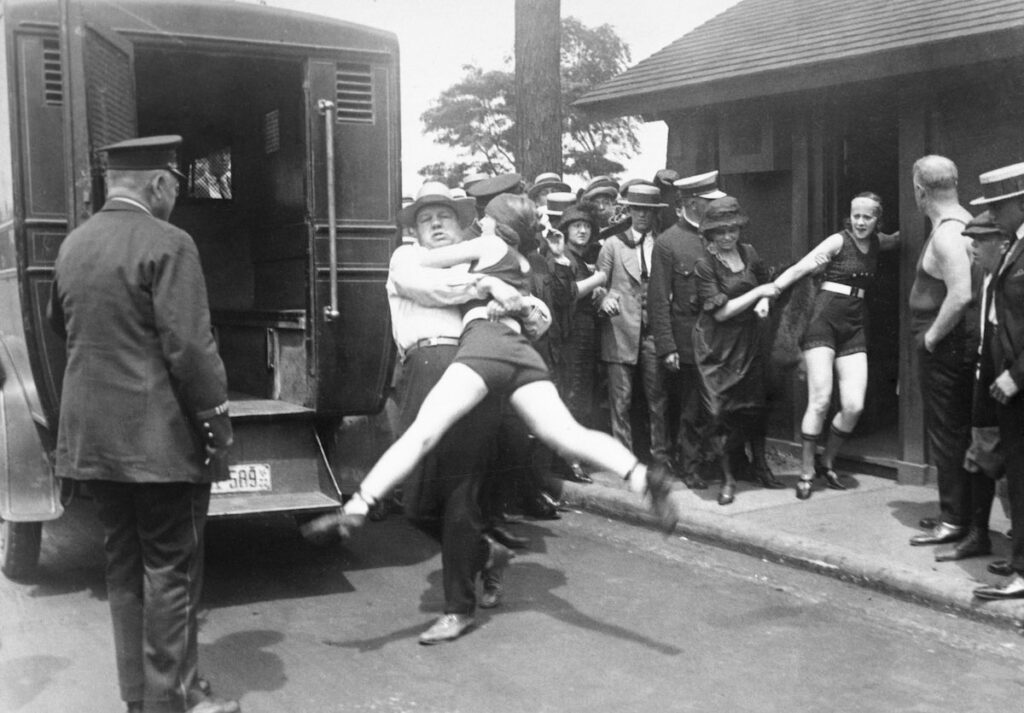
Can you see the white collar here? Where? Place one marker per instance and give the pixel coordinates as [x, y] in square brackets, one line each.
[133, 202]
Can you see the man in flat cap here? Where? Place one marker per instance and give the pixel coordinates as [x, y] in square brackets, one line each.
[674, 307]
[1003, 192]
[144, 417]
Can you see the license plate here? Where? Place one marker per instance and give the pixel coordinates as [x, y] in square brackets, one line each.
[245, 478]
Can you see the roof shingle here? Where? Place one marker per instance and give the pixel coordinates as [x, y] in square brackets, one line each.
[771, 39]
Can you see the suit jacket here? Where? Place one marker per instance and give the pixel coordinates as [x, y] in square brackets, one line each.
[130, 298]
[672, 294]
[1007, 290]
[620, 334]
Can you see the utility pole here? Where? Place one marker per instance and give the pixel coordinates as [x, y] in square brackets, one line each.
[538, 87]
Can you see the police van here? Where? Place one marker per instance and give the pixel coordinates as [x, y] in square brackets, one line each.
[290, 129]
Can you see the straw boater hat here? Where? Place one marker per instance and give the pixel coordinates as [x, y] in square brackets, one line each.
[643, 195]
[436, 193]
[626, 185]
[558, 203]
[703, 185]
[1000, 184]
[722, 213]
[601, 186]
[547, 180]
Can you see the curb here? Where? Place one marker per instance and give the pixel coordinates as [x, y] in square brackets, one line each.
[813, 555]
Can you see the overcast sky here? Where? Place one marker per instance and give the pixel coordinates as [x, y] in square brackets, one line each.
[437, 37]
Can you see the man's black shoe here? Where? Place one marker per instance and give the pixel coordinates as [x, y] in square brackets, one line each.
[506, 538]
[541, 506]
[1014, 589]
[693, 481]
[1000, 567]
[939, 535]
[974, 545]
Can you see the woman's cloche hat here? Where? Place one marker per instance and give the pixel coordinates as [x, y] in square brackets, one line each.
[723, 213]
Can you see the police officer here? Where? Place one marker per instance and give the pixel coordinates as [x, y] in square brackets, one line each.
[144, 417]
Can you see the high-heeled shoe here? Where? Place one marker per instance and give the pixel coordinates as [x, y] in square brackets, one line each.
[727, 494]
[804, 487]
[767, 478]
[831, 477]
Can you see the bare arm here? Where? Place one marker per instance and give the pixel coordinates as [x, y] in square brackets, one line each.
[822, 253]
[738, 305]
[429, 286]
[950, 260]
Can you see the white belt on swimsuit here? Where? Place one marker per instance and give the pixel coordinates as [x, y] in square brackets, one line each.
[841, 289]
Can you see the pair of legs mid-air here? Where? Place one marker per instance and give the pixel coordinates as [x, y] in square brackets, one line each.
[823, 369]
[461, 388]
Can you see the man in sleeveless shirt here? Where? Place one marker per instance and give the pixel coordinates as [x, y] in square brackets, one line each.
[946, 338]
[1003, 192]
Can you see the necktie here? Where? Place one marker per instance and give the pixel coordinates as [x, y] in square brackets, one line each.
[643, 258]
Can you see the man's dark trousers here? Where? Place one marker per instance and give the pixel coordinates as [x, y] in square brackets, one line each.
[947, 378]
[153, 538]
[442, 497]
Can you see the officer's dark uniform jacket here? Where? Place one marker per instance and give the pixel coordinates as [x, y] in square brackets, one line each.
[672, 294]
[130, 298]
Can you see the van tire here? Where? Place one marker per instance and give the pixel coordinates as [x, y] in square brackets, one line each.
[19, 548]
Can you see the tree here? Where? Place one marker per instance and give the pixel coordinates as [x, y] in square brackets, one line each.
[538, 87]
[590, 56]
[476, 115]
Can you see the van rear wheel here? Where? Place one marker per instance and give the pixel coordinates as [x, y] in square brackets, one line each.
[19, 548]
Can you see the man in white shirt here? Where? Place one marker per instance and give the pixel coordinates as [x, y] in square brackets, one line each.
[442, 498]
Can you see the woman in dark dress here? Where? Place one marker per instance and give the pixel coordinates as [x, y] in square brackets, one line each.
[576, 367]
[734, 293]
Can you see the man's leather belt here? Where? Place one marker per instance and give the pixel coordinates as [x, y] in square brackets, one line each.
[841, 289]
[433, 342]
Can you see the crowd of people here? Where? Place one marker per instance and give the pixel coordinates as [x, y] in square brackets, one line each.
[519, 313]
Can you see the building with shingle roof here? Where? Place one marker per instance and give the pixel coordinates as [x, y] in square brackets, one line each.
[802, 104]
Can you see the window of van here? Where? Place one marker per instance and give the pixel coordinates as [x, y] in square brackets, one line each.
[210, 175]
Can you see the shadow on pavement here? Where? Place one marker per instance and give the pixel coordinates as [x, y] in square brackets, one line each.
[22, 679]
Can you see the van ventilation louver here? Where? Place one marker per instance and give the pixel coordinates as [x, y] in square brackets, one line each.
[53, 87]
[354, 93]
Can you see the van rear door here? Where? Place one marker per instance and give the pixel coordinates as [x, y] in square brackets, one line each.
[353, 350]
[100, 87]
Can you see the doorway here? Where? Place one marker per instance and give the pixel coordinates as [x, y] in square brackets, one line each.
[866, 158]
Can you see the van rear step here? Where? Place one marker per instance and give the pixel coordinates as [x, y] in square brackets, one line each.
[226, 506]
[248, 408]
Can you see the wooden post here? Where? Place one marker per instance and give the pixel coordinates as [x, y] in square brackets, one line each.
[538, 87]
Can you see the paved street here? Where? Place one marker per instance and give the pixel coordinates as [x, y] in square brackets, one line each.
[598, 616]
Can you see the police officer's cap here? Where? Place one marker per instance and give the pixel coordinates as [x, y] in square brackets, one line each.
[490, 188]
[148, 153]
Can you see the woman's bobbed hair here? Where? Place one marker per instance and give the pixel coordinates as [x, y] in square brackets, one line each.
[516, 219]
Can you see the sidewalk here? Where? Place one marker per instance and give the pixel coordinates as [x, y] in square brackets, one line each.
[860, 535]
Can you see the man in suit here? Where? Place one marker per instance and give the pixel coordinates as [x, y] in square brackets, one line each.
[627, 339]
[1003, 192]
[947, 340]
[144, 417]
[673, 307]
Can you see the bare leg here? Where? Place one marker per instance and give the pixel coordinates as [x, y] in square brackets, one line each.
[852, 371]
[548, 418]
[819, 362]
[457, 391]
